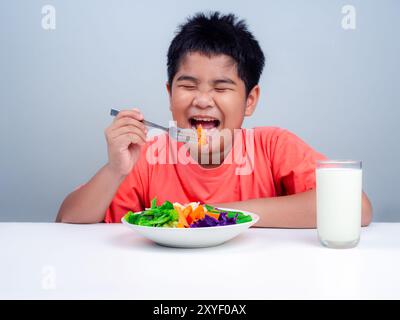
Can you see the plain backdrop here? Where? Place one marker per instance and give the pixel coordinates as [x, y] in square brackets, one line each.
[338, 89]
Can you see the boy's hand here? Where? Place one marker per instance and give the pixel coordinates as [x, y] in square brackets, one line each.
[125, 136]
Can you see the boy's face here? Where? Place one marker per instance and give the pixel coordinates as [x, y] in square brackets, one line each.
[207, 91]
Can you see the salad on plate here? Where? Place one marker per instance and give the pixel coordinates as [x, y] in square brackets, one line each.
[191, 215]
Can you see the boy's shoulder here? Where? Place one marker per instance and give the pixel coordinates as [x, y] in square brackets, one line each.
[271, 132]
[268, 130]
[272, 137]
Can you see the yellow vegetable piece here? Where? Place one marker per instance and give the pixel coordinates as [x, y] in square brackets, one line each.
[201, 136]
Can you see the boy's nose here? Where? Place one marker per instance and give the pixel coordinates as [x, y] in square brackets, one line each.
[203, 100]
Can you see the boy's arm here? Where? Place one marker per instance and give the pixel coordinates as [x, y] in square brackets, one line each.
[293, 211]
[89, 203]
[125, 137]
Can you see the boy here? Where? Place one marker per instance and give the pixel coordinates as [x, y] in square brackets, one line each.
[214, 66]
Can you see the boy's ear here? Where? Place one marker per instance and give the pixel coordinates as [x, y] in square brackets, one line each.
[251, 100]
[169, 94]
[168, 88]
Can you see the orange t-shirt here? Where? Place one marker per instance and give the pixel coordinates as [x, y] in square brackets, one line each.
[270, 162]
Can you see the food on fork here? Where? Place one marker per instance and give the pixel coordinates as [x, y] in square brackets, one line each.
[201, 136]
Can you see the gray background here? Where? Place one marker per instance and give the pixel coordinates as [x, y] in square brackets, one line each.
[337, 89]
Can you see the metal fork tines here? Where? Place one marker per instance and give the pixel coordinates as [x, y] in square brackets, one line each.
[179, 134]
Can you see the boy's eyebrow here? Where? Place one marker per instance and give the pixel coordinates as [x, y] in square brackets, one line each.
[214, 82]
[187, 78]
[224, 81]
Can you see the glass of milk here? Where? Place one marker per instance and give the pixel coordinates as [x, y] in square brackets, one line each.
[339, 194]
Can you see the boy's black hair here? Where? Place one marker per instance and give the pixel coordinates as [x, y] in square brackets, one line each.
[215, 34]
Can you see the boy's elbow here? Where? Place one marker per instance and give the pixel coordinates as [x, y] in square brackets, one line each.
[67, 217]
[366, 219]
[62, 218]
[366, 216]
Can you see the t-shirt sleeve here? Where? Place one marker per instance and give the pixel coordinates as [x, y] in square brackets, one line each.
[130, 195]
[293, 163]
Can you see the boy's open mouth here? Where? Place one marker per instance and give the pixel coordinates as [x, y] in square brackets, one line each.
[205, 122]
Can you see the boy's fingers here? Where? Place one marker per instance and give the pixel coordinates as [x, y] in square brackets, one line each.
[126, 139]
[127, 130]
[133, 113]
[127, 121]
[130, 112]
[116, 139]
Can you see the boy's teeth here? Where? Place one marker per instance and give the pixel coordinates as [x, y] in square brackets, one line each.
[206, 123]
[204, 119]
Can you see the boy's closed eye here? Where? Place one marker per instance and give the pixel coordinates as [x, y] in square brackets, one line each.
[223, 89]
[192, 87]
[187, 86]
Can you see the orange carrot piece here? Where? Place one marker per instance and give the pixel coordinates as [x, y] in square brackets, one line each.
[214, 215]
[199, 212]
[187, 211]
[182, 222]
[191, 217]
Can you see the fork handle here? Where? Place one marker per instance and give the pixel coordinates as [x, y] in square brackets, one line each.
[151, 124]
[115, 112]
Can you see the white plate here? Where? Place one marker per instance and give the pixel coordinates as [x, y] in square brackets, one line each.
[193, 237]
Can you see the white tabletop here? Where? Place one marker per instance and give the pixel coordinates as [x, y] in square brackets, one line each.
[61, 261]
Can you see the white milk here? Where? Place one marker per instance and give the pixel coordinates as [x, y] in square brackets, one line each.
[339, 192]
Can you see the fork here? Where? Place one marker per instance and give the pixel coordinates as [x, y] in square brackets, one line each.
[179, 134]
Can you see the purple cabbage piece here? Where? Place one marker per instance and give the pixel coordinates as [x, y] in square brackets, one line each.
[208, 221]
